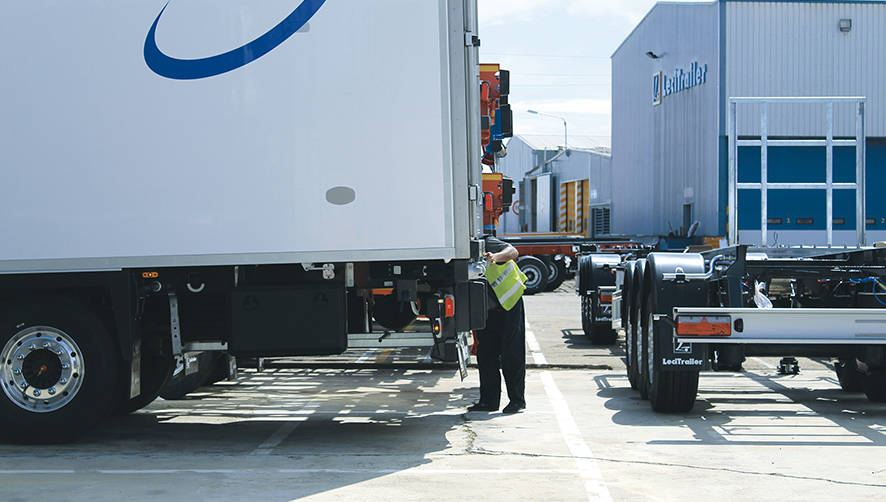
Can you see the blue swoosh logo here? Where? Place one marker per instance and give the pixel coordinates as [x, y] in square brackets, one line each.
[192, 69]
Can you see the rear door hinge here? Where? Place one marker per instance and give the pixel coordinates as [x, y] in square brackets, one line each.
[474, 192]
[471, 40]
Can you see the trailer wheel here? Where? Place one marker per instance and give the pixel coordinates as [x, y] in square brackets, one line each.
[635, 311]
[587, 319]
[536, 274]
[671, 391]
[630, 335]
[875, 385]
[58, 365]
[556, 274]
[179, 386]
[851, 380]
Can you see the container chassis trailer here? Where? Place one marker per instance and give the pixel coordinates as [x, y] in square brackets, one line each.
[682, 313]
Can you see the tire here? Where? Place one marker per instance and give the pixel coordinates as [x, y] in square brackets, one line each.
[635, 311]
[598, 333]
[536, 274]
[181, 385]
[556, 274]
[391, 313]
[587, 319]
[851, 380]
[72, 372]
[156, 368]
[630, 334]
[875, 385]
[671, 391]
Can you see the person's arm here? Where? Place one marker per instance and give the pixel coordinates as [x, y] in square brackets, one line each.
[503, 256]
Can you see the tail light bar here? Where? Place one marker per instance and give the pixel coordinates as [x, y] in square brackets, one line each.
[704, 325]
[605, 297]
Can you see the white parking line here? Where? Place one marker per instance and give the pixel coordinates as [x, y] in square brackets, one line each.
[285, 430]
[534, 347]
[407, 472]
[36, 471]
[584, 457]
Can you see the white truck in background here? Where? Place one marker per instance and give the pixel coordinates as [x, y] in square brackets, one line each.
[230, 176]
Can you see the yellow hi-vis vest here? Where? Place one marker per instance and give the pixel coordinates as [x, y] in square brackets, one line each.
[507, 282]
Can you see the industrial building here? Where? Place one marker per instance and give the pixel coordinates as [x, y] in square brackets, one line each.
[559, 189]
[674, 78]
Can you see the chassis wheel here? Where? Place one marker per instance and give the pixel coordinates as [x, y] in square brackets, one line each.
[669, 391]
[635, 313]
[875, 385]
[556, 274]
[632, 349]
[851, 380]
[536, 274]
[58, 365]
[587, 319]
[598, 332]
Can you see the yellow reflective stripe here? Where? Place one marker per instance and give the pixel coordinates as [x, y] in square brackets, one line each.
[504, 274]
[517, 288]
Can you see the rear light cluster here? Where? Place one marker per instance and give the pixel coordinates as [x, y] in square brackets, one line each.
[605, 297]
[702, 325]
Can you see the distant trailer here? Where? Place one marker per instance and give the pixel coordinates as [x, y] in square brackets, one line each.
[557, 253]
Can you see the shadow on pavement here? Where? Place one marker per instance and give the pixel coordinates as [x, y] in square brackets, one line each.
[731, 415]
[575, 339]
[322, 429]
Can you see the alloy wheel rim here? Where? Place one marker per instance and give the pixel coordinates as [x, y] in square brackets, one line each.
[41, 369]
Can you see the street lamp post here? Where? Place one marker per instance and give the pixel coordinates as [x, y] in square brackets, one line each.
[565, 137]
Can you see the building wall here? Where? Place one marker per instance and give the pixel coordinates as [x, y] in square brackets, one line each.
[796, 49]
[667, 155]
[577, 165]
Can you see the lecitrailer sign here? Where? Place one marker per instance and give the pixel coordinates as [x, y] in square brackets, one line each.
[664, 85]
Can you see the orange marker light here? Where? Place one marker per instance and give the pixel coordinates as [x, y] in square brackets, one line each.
[699, 325]
[449, 310]
[150, 275]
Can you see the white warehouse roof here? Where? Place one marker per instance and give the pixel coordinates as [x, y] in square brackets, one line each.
[597, 144]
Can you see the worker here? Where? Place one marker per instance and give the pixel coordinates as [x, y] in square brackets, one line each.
[501, 344]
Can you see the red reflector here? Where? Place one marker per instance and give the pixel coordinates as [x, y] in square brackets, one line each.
[449, 310]
[604, 298]
[699, 325]
[383, 291]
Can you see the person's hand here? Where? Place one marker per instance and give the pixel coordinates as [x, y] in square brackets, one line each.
[490, 257]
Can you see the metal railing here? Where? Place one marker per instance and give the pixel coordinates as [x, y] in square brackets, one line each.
[828, 142]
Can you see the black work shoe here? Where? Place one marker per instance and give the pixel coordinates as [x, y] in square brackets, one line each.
[513, 407]
[482, 407]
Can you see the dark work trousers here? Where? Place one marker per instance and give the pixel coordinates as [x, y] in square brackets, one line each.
[502, 345]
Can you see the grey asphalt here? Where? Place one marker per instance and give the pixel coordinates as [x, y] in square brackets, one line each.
[400, 433]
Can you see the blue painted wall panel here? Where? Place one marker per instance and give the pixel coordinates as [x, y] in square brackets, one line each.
[808, 165]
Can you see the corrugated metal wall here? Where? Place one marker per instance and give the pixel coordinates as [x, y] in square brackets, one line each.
[797, 49]
[666, 156]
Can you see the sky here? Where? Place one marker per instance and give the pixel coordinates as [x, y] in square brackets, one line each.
[558, 53]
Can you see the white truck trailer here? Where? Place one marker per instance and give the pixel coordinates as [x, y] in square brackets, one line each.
[234, 176]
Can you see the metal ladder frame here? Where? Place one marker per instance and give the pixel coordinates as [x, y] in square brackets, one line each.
[829, 143]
